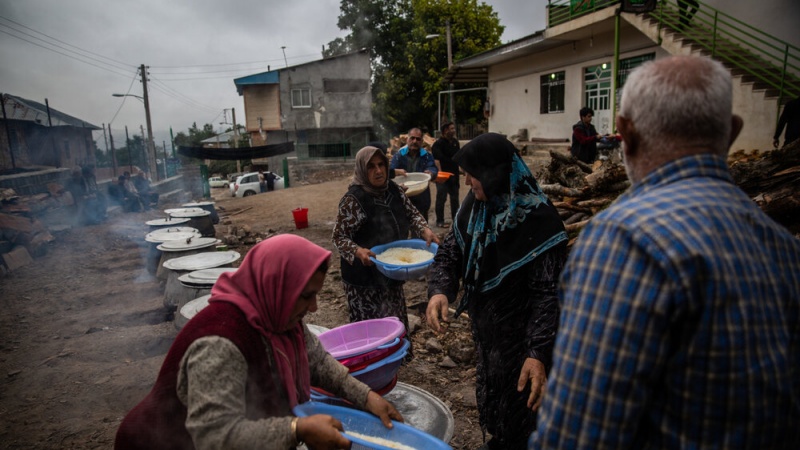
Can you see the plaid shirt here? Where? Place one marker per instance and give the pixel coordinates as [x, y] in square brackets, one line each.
[680, 322]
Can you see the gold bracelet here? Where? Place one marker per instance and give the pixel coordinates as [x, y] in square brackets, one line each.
[294, 432]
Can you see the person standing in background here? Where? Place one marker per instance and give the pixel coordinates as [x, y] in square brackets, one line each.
[414, 158]
[584, 137]
[443, 151]
[790, 118]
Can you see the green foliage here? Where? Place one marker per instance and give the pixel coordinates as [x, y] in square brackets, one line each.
[408, 69]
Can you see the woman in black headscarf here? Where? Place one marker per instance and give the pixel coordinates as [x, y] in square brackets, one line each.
[374, 211]
[507, 247]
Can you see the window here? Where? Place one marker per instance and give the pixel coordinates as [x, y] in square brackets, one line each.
[301, 98]
[597, 85]
[552, 88]
[339, 86]
[626, 66]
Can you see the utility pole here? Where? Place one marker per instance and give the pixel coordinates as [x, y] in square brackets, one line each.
[128, 146]
[151, 148]
[236, 139]
[164, 143]
[113, 152]
[8, 131]
[283, 49]
[113, 155]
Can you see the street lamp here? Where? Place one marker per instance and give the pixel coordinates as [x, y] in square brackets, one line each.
[151, 148]
[449, 63]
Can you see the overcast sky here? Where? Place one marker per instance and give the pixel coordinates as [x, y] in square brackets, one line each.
[77, 53]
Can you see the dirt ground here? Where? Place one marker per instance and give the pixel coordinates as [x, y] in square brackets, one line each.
[84, 328]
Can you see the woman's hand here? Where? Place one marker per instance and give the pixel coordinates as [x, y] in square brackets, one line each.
[533, 371]
[399, 172]
[363, 255]
[430, 236]
[438, 306]
[321, 431]
[380, 407]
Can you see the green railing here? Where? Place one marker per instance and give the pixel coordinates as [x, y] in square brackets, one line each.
[769, 62]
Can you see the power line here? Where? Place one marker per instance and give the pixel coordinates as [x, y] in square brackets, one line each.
[64, 54]
[124, 98]
[179, 97]
[115, 64]
[262, 63]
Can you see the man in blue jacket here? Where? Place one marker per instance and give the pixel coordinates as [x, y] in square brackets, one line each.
[414, 158]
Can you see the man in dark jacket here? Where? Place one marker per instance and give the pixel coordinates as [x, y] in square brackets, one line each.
[443, 151]
[584, 137]
[790, 118]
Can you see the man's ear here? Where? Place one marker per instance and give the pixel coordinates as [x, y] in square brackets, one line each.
[629, 136]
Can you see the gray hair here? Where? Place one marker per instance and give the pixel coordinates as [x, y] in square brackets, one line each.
[679, 101]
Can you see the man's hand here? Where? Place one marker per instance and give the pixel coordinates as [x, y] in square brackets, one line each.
[430, 236]
[400, 172]
[363, 255]
[321, 431]
[378, 406]
[533, 371]
[437, 307]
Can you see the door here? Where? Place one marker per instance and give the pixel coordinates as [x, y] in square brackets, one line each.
[597, 95]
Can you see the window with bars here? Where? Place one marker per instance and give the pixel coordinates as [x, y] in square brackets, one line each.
[627, 65]
[552, 93]
[597, 87]
[301, 98]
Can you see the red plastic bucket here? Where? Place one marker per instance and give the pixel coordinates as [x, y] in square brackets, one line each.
[300, 217]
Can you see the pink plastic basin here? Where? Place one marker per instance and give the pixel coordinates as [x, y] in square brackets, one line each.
[358, 338]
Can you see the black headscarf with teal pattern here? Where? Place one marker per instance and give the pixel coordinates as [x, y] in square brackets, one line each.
[513, 227]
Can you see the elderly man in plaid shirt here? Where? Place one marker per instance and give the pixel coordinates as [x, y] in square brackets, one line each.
[680, 321]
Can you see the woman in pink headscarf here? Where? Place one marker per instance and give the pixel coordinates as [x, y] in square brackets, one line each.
[238, 367]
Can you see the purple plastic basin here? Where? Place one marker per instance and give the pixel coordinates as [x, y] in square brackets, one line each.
[358, 338]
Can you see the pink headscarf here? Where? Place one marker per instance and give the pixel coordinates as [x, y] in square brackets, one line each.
[265, 288]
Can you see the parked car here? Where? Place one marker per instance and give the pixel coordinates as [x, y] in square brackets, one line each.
[247, 184]
[216, 182]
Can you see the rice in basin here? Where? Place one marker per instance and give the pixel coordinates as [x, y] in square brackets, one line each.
[404, 256]
[380, 441]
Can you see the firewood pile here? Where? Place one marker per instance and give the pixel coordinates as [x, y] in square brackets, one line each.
[579, 190]
[772, 180]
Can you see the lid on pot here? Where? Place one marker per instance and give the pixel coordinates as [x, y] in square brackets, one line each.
[197, 204]
[191, 308]
[190, 243]
[166, 222]
[167, 234]
[190, 212]
[209, 274]
[205, 260]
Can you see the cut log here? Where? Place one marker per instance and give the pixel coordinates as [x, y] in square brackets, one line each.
[576, 226]
[577, 217]
[569, 159]
[561, 191]
[607, 175]
[571, 207]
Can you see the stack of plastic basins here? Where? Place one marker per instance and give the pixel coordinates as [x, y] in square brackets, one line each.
[372, 350]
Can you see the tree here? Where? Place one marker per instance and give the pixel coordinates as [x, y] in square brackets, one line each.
[408, 69]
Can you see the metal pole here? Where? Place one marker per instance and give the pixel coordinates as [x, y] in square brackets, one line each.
[8, 131]
[616, 72]
[164, 143]
[113, 152]
[449, 66]
[52, 137]
[150, 144]
[283, 49]
[128, 146]
[236, 139]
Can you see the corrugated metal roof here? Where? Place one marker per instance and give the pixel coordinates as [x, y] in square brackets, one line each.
[18, 108]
